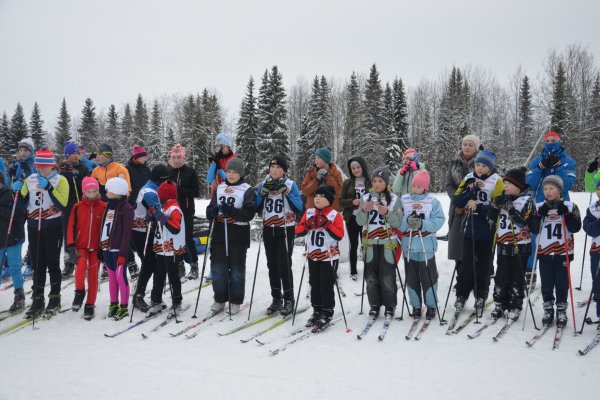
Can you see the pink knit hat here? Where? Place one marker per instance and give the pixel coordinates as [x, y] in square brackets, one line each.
[422, 178]
[410, 153]
[138, 151]
[178, 150]
[89, 183]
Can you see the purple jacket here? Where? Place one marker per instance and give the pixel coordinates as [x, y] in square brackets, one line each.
[120, 234]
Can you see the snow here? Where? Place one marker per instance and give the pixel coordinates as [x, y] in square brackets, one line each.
[332, 364]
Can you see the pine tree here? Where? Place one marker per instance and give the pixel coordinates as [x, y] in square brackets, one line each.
[353, 128]
[373, 121]
[36, 126]
[400, 114]
[18, 129]
[170, 138]
[62, 132]
[560, 118]
[595, 109]
[88, 127]
[189, 129]
[127, 132]
[153, 145]
[303, 154]
[525, 134]
[247, 131]
[112, 127]
[319, 123]
[140, 122]
[4, 136]
[393, 151]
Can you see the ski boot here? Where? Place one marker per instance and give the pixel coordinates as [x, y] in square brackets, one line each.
[68, 271]
[88, 312]
[78, 300]
[498, 312]
[389, 312]
[19, 302]
[459, 304]
[288, 308]
[175, 311]
[323, 321]
[479, 305]
[53, 305]
[217, 307]
[37, 307]
[561, 315]
[193, 272]
[208, 278]
[276, 305]
[140, 303]
[312, 320]
[514, 314]
[548, 317]
[112, 310]
[354, 277]
[154, 309]
[181, 268]
[416, 314]
[374, 311]
[122, 312]
[235, 308]
[430, 313]
[134, 271]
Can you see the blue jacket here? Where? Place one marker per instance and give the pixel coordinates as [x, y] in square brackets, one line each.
[432, 224]
[566, 170]
[3, 170]
[294, 198]
[212, 171]
[20, 170]
[591, 224]
[90, 165]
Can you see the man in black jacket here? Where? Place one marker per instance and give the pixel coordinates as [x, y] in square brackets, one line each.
[188, 189]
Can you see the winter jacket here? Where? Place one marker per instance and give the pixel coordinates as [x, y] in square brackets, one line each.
[348, 194]
[111, 170]
[59, 197]
[591, 180]
[138, 176]
[457, 170]
[393, 219]
[235, 233]
[430, 225]
[573, 224]
[120, 234]
[335, 229]
[478, 226]
[402, 183]
[310, 184]
[17, 233]
[4, 172]
[591, 226]
[293, 197]
[566, 170]
[20, 170]
[74, 175]
[89, 164]
[188, 187]
[85, 223]
[217, 171]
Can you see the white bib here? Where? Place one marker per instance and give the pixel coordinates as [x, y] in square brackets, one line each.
[107, 228]
[486, 187]
[423, 208]
[504, 235]
[234, 196]
[552, 241]
[167, 243]
[139, 213]
[321, 245]
[595, 211]
[377, 227]
[40, 199]
[276, 209]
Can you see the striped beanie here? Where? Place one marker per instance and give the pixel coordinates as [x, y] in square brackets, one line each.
[486, 157]
[44, 158]
[177, 150]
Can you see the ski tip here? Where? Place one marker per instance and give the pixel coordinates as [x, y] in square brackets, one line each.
[274, 352]
[359, 337]
[144, 336]
[380, 338]
[108, 336]
[581, 353]
[259, 342]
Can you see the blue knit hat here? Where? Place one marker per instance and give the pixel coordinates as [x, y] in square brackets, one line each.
[324, 154]
[71, 148]
[224, 139]
[486, 157]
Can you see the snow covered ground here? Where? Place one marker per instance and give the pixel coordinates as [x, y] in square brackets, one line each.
[69, 358]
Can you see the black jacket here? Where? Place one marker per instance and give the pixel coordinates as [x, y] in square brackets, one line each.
[348, 194]
[188, 187]
[138, 176]
[18, 226]
[74, 175]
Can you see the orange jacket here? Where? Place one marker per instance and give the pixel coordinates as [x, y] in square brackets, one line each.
[310, 184]
[112, 170]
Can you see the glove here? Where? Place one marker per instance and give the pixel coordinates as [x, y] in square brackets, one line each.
[282, 189]
[211, 159]
[369, 205]
[321, 221]
[470, 181]
[17, 186]
[404, 170]
[264, 190]
[100, 255]
[158, 215]
[550, 161]
[121, 261]
[213, 212]
[503, 201]
[472, 193]
[148, 205]
[593, 167]
[43, 183]
[544, 209]
[413, 166]
[562, 209]
[92, 156]
[321, 174]
[311, 223]
[225, 209]
[415, 222]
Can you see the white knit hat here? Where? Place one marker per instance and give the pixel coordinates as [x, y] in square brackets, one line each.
[117, 186]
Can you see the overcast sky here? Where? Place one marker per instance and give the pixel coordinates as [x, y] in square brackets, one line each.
[111, 50]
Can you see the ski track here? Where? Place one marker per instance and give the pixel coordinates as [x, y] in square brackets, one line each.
[330, 364]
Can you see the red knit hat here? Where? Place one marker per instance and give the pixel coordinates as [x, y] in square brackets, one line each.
[44, 157]
[552, 134]
[410, 152]
[167, 190]
[138, 151]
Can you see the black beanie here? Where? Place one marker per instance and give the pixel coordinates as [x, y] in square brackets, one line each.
[159, 174]
[516, 177]
[281, 161]
[326, 191]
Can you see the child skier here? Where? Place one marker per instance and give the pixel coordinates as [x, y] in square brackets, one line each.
[475, 193]
[512, 213]
[169, 247]
[326, 228]
[423, 217]
[353, 190]
[556, 217]
[46, 193]
[115, 238]
[380, 211]
[279, 200]
[231, 209]
[11, 255]
[591, 226]
[83, 235]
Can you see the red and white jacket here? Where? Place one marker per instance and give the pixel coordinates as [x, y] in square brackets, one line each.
[322, 243]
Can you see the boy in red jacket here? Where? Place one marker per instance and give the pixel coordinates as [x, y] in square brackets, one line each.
[326, 228]
[83, 234]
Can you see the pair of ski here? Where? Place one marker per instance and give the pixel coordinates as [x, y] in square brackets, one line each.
[134, 325]
[539, 335]
[414, 326]
[453, 329]
[492, 321]
[386, 325]
[169, 318]
[590, 346]
[277, 324]
[303, 336]
[46, 316]
[211, 314]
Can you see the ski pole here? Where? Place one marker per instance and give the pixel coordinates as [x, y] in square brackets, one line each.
[429, 276]
[564, 224]
[228, 266]
[583, 258]
[37, 251]
[287, 251]
[448, 295]
[404, 301]
[300, 285]
[546, 127]
[474, 265]
[364, 254]
[338, 289]
[403, 288]
[206, 249]
[164, 248]
[587, 308]
[533, 267]
[137, 282]
[254, 281]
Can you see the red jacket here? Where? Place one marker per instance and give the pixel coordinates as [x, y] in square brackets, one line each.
[335, 229]
[85, 223]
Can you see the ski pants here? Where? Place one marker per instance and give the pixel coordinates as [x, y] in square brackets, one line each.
[138, 240]
[12, 256]
[553, 272]
[118, 285]
[595, 267]
[509, 282]
[418, 282]
[166, 265]
[479, 261]
[87, 262]
[191, 256]
[380, 275]
[45, 256]
[70, 257]
[354, 231]
[278, 262]
[321, 277]
[229, 272]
